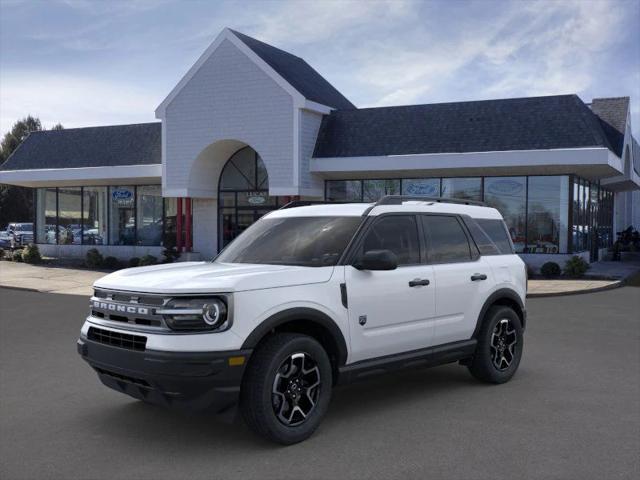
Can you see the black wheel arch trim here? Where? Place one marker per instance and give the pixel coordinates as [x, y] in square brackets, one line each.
[300, 314]
[495, 297]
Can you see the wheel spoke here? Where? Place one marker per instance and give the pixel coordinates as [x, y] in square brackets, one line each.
[296, 388]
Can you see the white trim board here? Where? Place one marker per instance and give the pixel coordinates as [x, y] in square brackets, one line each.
[60, 177]
[454, 161]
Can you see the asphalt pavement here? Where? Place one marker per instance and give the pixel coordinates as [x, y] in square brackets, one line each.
[572, 410]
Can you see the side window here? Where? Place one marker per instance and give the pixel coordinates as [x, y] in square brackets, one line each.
[483, 242]
[398, 233]
[446, 239]
[498, 233]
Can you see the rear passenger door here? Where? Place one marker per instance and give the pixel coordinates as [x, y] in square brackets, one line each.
[462, 278]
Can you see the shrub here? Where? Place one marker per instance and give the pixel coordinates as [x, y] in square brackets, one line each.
[576, 266]
[530, 271]
[111, 263]
[31, 254]
[1, 253]
[170, 252]
[550, 269]
[148, 260]
[16, 256]
[94, 258]
[134, 262]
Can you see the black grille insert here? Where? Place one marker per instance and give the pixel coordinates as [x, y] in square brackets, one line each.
[138, 381]
[117, 339]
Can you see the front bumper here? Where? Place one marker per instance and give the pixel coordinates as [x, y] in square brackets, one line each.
[189, 380]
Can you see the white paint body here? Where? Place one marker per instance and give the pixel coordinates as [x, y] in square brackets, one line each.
[399, 318]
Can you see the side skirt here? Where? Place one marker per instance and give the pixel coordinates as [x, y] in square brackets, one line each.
[426, 357]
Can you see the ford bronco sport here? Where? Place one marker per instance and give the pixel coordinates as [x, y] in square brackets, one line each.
[309, 297]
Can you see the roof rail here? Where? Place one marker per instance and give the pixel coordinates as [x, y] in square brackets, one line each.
[306, 203]
[398, 199]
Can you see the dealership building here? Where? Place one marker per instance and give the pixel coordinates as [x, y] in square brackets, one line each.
[251, 127]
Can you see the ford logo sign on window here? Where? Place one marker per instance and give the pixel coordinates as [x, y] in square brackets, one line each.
[505, 187]
[425, 189]
[121, 194]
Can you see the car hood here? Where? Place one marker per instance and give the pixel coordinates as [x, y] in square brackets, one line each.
[208, 277]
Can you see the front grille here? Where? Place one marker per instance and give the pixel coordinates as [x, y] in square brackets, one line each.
[129, 308]
[117, 339]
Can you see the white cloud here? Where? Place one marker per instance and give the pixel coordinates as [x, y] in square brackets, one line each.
[73, 101]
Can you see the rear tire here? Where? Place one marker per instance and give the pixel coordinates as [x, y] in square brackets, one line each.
[287, 388]
[500, 344]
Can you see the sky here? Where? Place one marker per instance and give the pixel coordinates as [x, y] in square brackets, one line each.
[101, 62]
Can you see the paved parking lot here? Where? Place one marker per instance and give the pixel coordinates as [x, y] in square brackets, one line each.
[572, 411]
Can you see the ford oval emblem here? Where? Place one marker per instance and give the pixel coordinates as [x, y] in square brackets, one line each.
[121, 194]
[256, 200]
[505, 187]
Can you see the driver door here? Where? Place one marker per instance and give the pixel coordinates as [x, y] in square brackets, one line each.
[391, 311]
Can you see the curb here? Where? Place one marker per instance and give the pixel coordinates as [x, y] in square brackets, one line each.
[612, 286]
[24, 289]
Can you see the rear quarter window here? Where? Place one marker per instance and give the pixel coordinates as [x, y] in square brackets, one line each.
[497, 233]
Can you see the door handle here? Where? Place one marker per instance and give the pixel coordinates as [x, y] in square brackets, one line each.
[418, 282]
[478, 276]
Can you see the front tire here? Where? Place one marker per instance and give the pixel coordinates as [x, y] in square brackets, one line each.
[287, 388]
[499, 349]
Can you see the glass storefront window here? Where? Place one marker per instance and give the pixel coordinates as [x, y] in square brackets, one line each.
[69, 216]
[509, 196]
[94, 215]
[344, 191]
[427, 187]
[374, 190]
[122, 219]
[170, 219]
[46, 215]
[464, 188]
[547, 217]
[149, 215]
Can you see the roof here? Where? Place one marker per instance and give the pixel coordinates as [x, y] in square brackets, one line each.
[298, 73]
[108, 146]
[612, 113]
[534, 123]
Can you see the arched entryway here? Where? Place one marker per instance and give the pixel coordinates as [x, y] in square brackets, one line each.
[243, 194]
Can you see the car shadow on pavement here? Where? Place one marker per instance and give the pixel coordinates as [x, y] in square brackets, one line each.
[136, 423]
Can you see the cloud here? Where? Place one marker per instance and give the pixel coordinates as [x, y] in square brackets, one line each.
[73, 101]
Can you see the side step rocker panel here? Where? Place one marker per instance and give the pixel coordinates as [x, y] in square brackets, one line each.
[426, 357]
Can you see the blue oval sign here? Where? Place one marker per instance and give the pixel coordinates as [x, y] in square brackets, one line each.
[426, 189]
[121, 194]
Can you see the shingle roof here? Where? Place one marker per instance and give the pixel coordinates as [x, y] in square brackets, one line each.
[109, 146]
[298, 73]
[533, 123]
[613, 116]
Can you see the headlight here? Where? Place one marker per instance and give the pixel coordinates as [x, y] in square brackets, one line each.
[196, 314]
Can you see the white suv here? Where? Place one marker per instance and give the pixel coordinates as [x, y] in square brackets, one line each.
[309, 297]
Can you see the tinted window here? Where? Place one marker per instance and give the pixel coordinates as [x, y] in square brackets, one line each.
[398, 233]
[305, 241]
[446, 239]
[481, 238]
[497, 232]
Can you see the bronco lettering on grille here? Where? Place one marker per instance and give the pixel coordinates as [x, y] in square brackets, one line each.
[115, 307]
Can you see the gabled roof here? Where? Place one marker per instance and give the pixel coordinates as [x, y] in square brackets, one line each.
[534, 123]
[298, 73]
[109, 146]
[613, 113]
[292, 73]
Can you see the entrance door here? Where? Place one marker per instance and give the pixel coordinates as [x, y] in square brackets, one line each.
[391, 311]
[243, 195]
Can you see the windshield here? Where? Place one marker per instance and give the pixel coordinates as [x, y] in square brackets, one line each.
[304, 241]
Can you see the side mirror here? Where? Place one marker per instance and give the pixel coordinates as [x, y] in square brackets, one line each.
[377, 260]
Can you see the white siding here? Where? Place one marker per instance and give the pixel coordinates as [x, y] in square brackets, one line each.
[205, 227]
[229, 97]
[310, 184]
